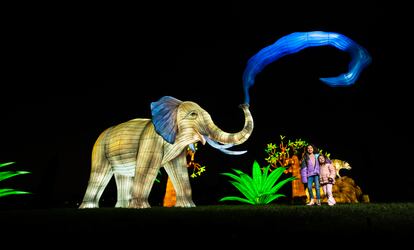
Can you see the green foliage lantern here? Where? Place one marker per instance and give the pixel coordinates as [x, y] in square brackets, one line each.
[9, 174]
[261, 188]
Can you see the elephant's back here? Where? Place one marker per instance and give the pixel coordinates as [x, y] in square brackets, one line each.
[121, 142]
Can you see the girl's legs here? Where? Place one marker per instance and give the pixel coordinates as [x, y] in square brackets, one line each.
[317, 187]
[325, 191]
[331, 199]
[311, 180]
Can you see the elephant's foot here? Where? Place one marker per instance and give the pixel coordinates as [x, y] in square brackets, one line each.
[89, 204]
[138, 203]
[122, 203]
[184, 203]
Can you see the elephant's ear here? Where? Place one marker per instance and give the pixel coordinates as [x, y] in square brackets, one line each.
[164, 117]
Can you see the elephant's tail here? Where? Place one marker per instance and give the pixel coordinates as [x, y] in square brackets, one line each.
[99, 148]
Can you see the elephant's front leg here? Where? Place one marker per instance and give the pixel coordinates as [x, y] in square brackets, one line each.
[148, 164]
[178, 173]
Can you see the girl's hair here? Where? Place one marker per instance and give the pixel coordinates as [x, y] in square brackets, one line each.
[305, 155]
[327, 160]
[315, 149]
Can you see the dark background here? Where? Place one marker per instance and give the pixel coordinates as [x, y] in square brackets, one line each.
[69, 72]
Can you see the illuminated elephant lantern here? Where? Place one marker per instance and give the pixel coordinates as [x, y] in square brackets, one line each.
[134, 152]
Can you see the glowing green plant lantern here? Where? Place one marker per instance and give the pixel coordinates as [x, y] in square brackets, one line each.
[261, 188]
[9, 174]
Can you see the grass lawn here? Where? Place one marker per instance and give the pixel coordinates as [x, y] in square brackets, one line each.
[346, 223]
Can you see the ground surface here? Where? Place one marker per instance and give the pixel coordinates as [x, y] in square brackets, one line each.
[229, 224]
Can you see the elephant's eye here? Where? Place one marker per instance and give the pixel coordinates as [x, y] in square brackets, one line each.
[193, 115]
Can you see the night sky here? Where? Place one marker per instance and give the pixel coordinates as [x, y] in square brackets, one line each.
[72, 71]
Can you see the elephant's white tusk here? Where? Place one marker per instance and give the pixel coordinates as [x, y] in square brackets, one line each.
[214, 144]
[229, 152]
[223, 147]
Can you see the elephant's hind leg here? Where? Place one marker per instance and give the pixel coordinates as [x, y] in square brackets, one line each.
[101, 174]
[123, 185]
[178, 173]
[140, 192]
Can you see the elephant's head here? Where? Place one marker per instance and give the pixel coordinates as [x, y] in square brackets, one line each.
[186, 123]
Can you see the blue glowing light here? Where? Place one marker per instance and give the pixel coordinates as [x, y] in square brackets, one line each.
[297, 41]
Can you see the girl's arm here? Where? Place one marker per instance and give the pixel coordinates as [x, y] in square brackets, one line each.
[332, 171]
